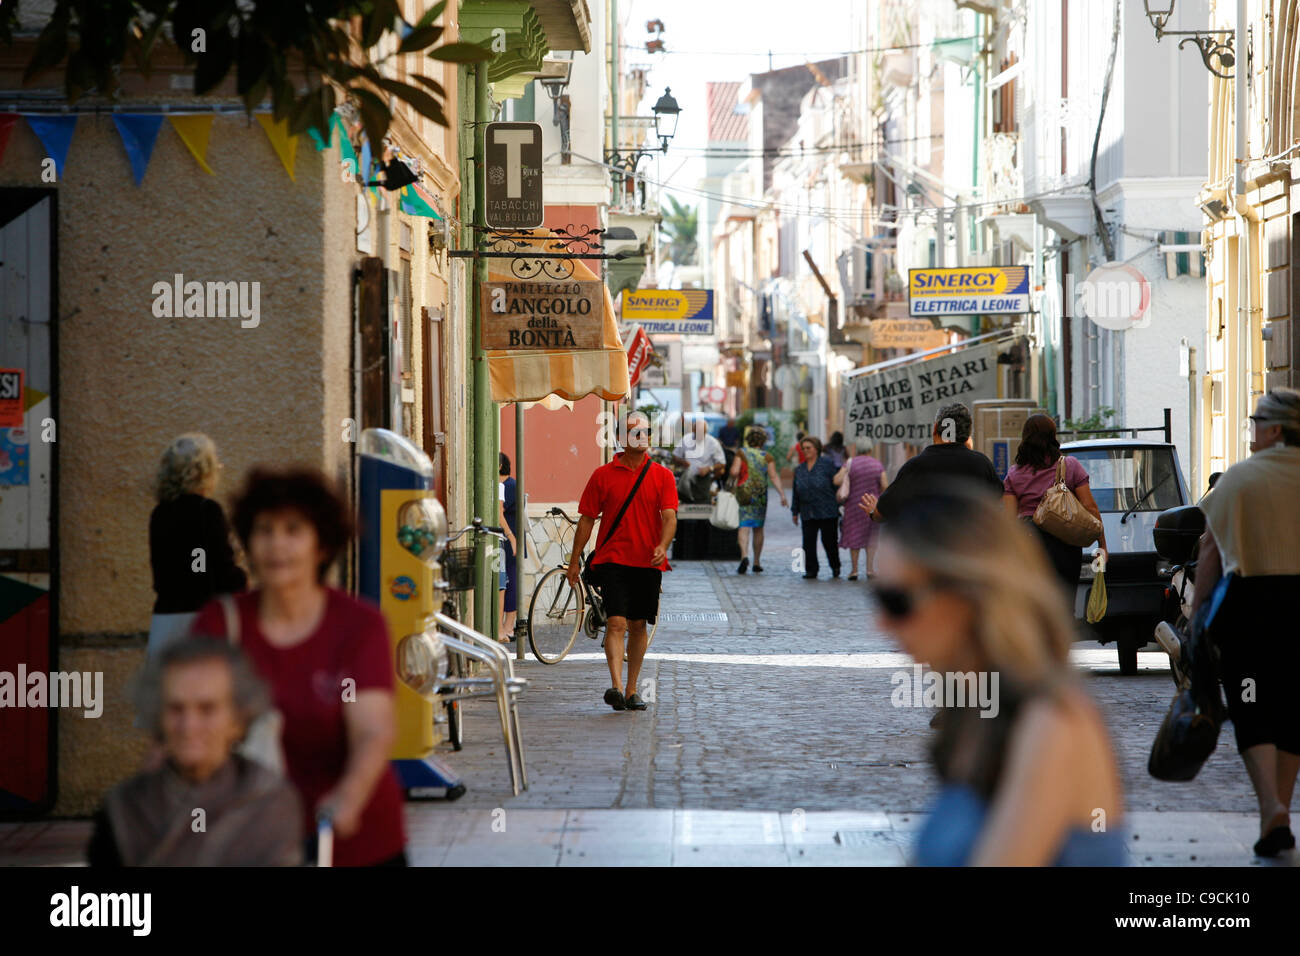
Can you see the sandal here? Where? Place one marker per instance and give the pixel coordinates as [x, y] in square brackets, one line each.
[853, 577]
[615, 699]
[634, 702]
[758, 569]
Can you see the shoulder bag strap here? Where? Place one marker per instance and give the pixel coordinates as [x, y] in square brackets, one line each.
[621, 511]
[1060, 470]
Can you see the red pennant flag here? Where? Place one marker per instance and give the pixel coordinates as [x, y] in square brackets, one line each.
[7, 121]
[638, 354]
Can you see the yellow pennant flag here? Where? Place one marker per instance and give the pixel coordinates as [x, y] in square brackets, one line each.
[286, 146]
[194, 131]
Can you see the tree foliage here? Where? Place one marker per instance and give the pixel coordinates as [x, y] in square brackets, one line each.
[275, 48]
[679, 232]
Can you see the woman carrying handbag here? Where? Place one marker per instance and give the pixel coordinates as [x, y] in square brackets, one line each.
[1041, 471]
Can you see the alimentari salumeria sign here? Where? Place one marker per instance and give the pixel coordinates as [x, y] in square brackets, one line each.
[542, 315]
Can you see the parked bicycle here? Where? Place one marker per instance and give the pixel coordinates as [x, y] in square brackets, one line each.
[458, 573]
[558, 611]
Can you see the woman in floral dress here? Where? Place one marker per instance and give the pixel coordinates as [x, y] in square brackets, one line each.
[762, 472]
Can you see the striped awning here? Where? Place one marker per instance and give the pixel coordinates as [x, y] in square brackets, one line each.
[530, 376]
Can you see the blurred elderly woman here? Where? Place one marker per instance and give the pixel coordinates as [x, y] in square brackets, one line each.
[189, 540]
[327, 658]
[1029, 778]
[205, 805]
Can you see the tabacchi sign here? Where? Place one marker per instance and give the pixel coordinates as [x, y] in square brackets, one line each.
[542, 315]
[514, 176]
[974, 290]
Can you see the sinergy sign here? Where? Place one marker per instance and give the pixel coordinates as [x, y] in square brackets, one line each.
[900, 404]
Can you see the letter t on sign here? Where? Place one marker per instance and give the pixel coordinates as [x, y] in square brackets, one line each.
[513, 140]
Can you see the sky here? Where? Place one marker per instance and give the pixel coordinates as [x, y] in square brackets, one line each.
[721, 40]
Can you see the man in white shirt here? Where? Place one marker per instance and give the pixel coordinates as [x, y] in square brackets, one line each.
[704, 458]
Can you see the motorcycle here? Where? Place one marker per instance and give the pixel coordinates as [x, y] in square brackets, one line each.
[1177, 538]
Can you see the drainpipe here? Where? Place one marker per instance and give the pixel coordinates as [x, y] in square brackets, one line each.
[1246, 216]
[485, 410]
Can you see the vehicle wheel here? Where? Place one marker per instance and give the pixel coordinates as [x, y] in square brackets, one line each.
[456, 792]
[1128, 645]
[555, 615]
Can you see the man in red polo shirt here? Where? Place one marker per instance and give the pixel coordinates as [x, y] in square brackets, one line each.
[630, 563]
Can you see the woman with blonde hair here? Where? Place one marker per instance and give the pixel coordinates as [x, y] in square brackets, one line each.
[189, 539]
[1029, 777]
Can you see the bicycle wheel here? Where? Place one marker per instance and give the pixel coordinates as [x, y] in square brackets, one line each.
[555, 616]
[455, 718]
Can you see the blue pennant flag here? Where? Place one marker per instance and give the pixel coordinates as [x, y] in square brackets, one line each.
[139, 132]
[55, 134]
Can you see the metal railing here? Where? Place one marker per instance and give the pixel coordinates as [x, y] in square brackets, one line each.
[1167, 429]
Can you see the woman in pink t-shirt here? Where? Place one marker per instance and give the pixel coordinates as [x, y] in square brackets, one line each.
[1028, 480]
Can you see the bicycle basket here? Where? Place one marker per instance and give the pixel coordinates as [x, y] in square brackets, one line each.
[458, 568]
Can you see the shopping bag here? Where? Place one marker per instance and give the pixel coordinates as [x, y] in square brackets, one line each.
[1097, 593]
[726, 512]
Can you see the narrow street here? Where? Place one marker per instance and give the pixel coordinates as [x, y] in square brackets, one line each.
[771, 696]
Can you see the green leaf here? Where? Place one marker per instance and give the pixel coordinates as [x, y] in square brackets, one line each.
[51, 46]
[144, 45]
[432, 84]
[424, 104]
[433, 13]
[462, 53]
[419, 38]
[80, 76]
[374, 116]
[215, 63]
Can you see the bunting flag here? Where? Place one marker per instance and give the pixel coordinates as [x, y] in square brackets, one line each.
[336, 121]
[286, 145]
[7, 121]
[55, 133]
[194, 131]
[139, 132]
[364, 175]
[348, 154]
[415, 202]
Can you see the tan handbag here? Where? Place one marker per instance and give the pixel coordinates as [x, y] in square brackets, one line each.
[1061, 515]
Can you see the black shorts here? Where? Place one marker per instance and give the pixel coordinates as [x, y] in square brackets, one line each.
[630, 592]
[1259, 658]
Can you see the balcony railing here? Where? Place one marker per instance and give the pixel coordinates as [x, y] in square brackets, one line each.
[1003, 179]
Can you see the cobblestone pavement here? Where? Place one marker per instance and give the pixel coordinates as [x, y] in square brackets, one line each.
[784, 704]
[770, 730]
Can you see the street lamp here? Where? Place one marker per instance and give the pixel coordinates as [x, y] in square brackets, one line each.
[625, 161]
[666, 111]
[1212, 50]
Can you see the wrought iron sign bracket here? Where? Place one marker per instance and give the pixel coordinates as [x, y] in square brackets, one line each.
[553, 260]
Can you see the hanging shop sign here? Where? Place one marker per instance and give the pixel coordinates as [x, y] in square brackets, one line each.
[514, 176]
[543, 315]
[668, 311]
[968, 290]
[906, 334]
[668, 372]
[900, 404]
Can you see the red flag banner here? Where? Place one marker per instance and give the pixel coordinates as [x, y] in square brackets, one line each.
[639, 351]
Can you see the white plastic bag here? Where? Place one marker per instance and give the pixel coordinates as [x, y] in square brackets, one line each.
[726, 512]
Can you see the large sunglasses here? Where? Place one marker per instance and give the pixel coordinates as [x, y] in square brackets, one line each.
[901, 603]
